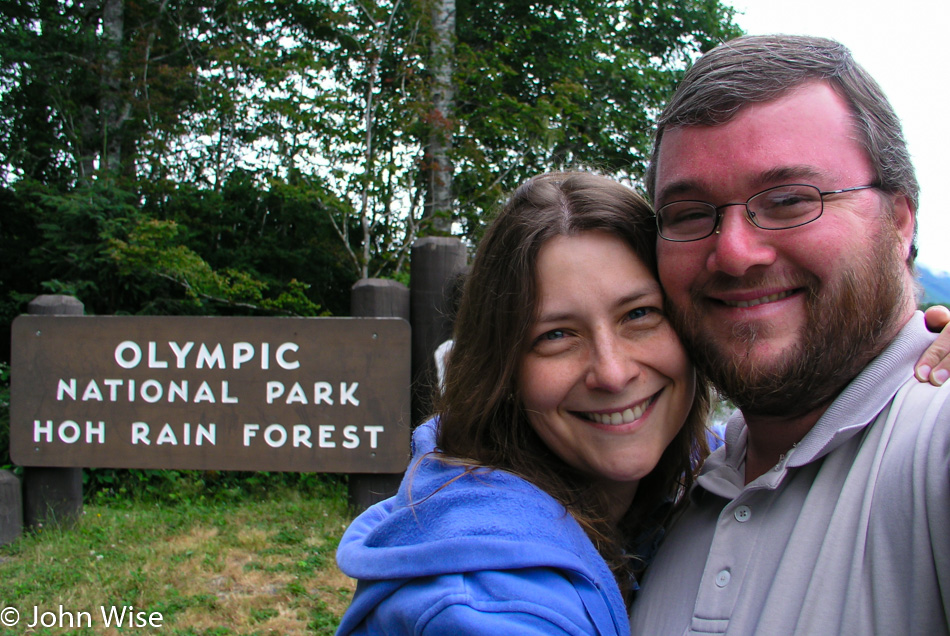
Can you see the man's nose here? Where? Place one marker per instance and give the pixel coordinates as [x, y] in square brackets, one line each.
[739, 244]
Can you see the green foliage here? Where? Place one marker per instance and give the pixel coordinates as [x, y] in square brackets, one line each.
[67, 228]
[178, 487]
[254, 157]
[102, 245]
[567, 84]
[279, 231]
[152, 248]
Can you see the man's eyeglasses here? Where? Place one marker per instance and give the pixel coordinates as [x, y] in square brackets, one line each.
[778, 208]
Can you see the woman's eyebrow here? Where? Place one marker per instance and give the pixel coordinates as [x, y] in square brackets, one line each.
[649, 289]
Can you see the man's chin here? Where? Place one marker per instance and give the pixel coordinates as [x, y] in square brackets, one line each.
[755, 374]
[762, 352]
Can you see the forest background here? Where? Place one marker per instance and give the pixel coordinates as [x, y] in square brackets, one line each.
[257, 157]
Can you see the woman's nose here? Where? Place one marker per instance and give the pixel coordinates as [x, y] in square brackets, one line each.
[612, 366]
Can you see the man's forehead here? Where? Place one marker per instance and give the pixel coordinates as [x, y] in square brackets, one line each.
[803, 135]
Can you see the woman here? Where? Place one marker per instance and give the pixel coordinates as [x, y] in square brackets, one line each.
[570, 416]
[570, 419]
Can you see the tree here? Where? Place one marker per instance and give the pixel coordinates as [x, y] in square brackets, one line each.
[111, 110]
[438, 167]
[567, 83]
[289, 147]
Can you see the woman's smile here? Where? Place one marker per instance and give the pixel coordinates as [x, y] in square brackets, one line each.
[626, 415]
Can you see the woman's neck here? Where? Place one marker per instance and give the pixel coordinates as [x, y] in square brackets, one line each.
[619, 499]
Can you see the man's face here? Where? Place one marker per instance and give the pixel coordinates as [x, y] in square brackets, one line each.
[783, 319]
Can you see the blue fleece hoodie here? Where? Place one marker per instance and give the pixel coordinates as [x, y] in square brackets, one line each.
[487, 553]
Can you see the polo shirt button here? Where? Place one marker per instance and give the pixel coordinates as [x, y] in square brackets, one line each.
[722, 579]
[743, 514]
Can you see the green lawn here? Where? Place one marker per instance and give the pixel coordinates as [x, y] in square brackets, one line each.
[245, 564]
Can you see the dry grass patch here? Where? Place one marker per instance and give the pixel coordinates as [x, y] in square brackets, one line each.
[262, 566]
[336, 590]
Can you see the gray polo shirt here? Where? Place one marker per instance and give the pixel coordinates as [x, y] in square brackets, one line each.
[848, 534]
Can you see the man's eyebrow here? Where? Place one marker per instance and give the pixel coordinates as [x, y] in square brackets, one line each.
[781, 175]
[790, 174]
[679, 188]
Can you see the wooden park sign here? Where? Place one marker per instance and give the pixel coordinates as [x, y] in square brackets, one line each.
[212, 393]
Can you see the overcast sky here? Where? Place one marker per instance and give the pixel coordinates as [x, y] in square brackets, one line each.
[903, 45]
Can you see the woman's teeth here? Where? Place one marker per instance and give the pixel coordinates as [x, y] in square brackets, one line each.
[621, 417]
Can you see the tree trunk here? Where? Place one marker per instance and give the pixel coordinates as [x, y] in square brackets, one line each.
[439, 200]
[113, 27]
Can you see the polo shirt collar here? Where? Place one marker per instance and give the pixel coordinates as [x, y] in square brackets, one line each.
[856, 407]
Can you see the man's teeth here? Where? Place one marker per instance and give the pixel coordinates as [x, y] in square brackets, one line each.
[758, 301]
[615, 419]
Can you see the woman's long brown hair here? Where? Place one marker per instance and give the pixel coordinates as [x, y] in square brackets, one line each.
[482, 420]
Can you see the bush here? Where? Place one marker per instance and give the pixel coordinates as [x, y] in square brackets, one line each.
[195, 486]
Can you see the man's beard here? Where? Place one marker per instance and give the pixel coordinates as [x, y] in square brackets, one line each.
[848, 323]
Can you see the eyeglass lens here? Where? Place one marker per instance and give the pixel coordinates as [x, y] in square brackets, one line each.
[773, 209]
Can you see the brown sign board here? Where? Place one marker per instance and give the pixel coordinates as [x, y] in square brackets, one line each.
[211, 393]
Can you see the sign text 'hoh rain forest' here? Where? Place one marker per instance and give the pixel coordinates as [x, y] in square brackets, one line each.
[286, 394]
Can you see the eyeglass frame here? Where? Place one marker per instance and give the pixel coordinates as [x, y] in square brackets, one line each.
[751, 215]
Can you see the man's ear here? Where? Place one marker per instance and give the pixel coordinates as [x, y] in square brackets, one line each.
[905, 222]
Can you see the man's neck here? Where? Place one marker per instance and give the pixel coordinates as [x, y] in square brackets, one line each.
[770, 439]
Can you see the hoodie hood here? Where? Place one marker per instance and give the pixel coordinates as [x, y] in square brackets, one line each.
[447, 520]
[484, 519]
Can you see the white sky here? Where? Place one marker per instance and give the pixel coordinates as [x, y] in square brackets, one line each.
[903, 45]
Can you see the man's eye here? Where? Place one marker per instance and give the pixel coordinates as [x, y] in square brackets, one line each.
[693, 214]
[686, 218]
[788, 202]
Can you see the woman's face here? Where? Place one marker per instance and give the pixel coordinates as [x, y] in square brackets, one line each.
[605, 381]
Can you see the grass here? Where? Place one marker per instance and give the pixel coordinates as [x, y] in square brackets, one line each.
[249, 564]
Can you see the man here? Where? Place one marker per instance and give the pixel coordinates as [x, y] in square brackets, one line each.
[786, 204]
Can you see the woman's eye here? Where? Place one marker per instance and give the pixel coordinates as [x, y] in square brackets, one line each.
[553, 342]
[646, 317]
[640, 312]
